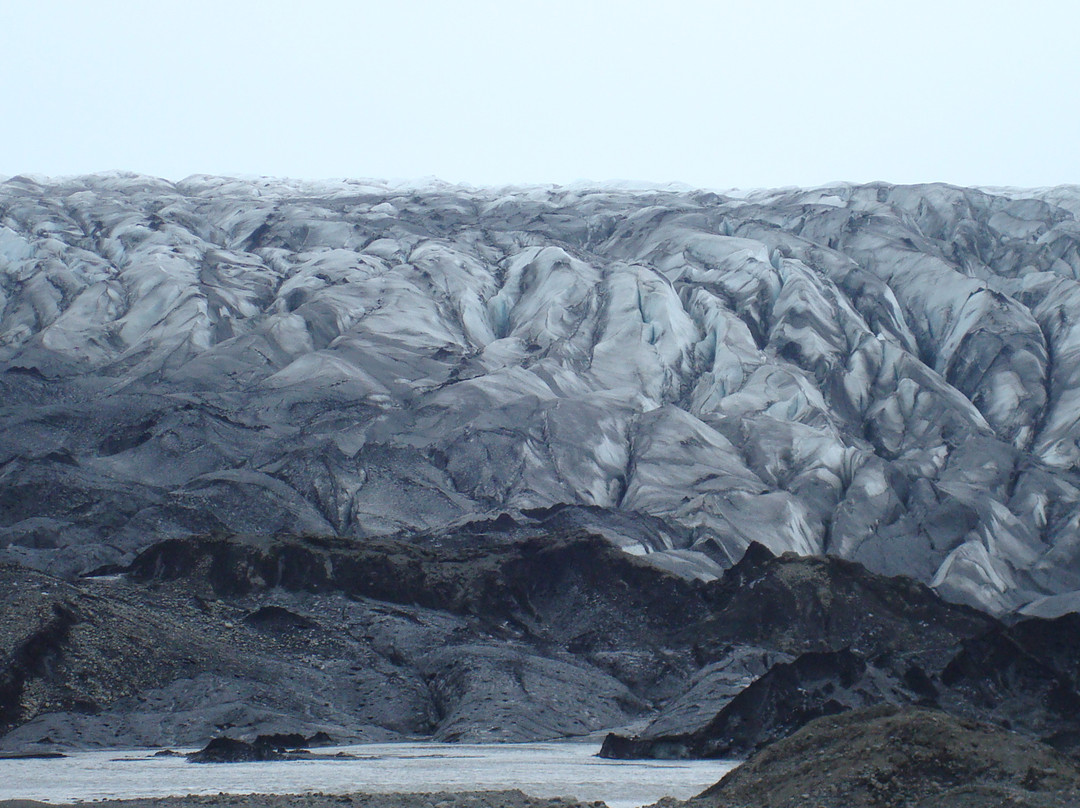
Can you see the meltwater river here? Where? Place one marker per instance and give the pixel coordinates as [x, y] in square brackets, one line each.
[538, 769]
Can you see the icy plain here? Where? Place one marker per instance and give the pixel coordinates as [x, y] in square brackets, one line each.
[538, 769]
[881, 372]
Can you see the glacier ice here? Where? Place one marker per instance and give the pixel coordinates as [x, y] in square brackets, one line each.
[888, 373]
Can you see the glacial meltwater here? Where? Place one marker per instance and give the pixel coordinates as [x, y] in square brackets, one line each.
[538, 769]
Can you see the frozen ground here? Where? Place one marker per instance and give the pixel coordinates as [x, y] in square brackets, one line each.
[540, 769]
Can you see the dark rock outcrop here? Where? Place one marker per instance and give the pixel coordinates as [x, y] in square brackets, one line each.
[996, 673]
[495, 637]
[796, 604]
[232, 750]
[271, 746]
[788, 696]
[1054, 642]
[883, 757]
[914, 650]
[530, 639]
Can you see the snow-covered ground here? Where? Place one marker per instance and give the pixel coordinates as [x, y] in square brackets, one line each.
[538, 769]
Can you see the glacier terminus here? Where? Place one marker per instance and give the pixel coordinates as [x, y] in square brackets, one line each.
[884, 373]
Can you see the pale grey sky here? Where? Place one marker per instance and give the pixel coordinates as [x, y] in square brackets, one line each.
[713, 94]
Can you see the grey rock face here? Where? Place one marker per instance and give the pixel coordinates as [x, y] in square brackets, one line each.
[884, 373]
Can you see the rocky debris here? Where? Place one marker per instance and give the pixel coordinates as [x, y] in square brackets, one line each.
[495, 638]
[1011, 685]
[882, 373]
[990, 678]
[233, 750]
[913, 650]
[293, 740]
[533, 640]
[772, 707]
[797, 604]
[823, 620]
[32, 655]
[712, 688]
[528, 582]
[884, 757]
[277, 618]
[1054, 642]
[273, 746]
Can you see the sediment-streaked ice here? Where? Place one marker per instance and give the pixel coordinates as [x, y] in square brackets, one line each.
[883, 372]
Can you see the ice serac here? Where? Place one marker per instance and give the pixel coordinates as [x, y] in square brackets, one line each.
[884, 373]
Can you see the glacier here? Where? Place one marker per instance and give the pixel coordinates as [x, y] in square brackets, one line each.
[885, 373]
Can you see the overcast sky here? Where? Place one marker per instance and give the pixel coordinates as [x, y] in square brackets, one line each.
[713, 94]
